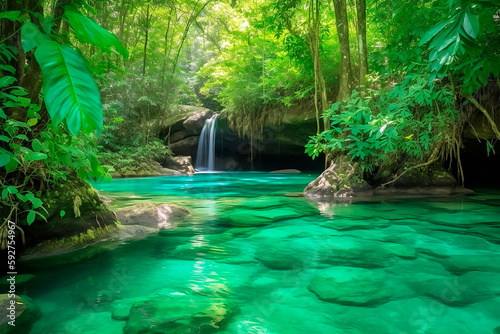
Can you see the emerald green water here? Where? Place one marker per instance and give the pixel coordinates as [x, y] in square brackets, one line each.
[254, 259]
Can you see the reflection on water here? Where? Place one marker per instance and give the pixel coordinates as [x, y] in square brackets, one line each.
[252, 260]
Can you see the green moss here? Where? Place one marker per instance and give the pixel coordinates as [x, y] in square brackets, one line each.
[76, 241]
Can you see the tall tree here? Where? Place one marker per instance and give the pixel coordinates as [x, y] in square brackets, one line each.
[342, 23]
[146, 37]
[192, 18]
[314, 44]
[362, 44]
[289, 11]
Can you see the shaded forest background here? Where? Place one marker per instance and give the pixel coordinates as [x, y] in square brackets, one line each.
[391, 84]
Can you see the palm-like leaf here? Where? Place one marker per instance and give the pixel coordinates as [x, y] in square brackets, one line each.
[69, 90]
[87, 31]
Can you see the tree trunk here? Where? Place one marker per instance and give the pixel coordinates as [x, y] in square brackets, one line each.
[122, 16]
[342, 24]
[29, 76]
[167, 46]
[313, 42]
[363, 50]
[144, 61]
[190, 21]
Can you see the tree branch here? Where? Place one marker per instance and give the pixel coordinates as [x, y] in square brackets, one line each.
[485, 112]
[430, 162]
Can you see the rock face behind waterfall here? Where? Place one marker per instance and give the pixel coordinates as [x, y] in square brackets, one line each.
[183, 134]
[279, 145]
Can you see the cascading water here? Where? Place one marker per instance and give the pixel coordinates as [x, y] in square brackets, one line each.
[205, 160]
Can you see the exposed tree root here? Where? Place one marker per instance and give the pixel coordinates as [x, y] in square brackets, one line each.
[485, 112]
[430, 162]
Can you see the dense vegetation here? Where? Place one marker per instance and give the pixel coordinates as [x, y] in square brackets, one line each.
[404, 77]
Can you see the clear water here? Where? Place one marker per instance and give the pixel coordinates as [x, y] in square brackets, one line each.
[257, 258]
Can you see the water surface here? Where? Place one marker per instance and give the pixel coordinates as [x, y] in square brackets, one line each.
[254, 258]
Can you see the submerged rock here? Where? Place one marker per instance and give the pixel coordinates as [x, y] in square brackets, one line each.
[351, 251]
[461, 263]
[286, 171]
[342, 179]
[93, 322]
[24, 314]
[151, 215]
[419, 315]
[179, 313]
[473, 287]
[352, 286]
[280, 258]
[201, 250]
[356, 224]
[133, 232]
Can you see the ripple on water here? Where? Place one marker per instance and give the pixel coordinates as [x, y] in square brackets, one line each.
[251, 260]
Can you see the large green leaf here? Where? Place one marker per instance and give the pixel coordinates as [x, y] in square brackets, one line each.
[13, 15]
[7, 81]
[87, 31]
[69, 90]
[4, 159]
[433, 32]
[471, 24]
[31, 36]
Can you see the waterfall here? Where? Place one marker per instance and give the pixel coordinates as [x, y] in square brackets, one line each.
[205, 159]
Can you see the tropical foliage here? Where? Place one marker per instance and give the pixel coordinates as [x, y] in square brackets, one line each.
[392, 81]
[37, 151]
[422, 118]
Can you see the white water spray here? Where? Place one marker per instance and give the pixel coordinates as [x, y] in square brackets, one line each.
[205, 159]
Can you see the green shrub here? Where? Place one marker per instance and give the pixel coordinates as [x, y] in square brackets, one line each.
[409, 122]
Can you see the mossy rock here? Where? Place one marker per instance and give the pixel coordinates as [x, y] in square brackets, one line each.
[25, 315]
[343, 179]
[75, 210]
[179, 313]
[433, 180]
[352, 286]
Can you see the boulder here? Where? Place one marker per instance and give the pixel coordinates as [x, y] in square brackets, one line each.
[472, 287]
[105, 199]
[74, 207]
[179, 313]
[462, 262]
[182, 164]
[134, 232]
[352, 286]
[195, 123]
[152, 215]
[187, 127]
[280, 258]
[25, 315]
[179, 135]
[434, 180]
[186, 147]
[342, 179]
[352, 251]
[286, 171]
[177, 115]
